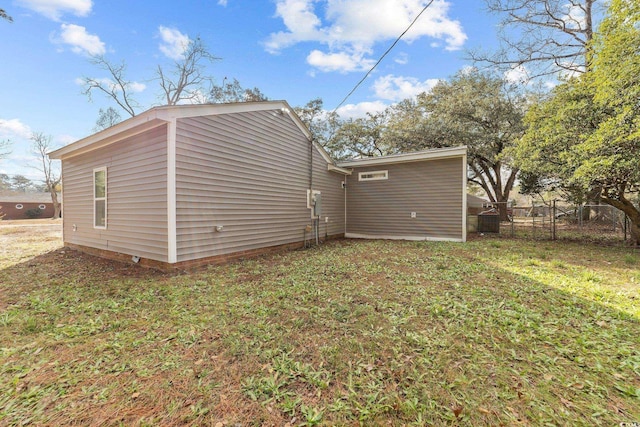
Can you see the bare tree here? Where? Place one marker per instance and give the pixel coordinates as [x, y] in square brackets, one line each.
[41, 146]
[186, 81]
[116, 87]
[106, 119]
[5, 148]
[545, 36]
[5, 15]
[232, 91]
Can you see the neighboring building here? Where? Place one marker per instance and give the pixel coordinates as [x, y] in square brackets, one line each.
[191, 184]
[476, 205]
[26, 206]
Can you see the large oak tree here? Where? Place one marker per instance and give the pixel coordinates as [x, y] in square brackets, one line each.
[587, 134]
[474, 109]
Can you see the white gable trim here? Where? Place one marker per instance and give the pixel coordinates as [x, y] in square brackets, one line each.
[157, 116]
[331, 167]
[436, 153]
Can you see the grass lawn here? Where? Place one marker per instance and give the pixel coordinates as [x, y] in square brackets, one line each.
[491, 332]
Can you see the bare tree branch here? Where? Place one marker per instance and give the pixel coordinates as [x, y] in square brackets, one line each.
[5, 15]
[116, 87]
[547, 36]
[41, 146]
[187, 79]
[5, 148]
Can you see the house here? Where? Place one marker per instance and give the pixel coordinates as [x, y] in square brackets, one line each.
[476, 204]
[25, 206]
[193, 184]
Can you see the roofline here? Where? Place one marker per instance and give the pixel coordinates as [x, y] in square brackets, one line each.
[333, 168]
[158, 116]
[436, 153]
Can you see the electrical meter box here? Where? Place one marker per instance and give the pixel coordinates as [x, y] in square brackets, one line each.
[317, 204]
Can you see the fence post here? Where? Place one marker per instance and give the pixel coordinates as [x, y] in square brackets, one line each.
[626, 218]
[580, 218]
[553, 232]
[513, 219]
[533, 220]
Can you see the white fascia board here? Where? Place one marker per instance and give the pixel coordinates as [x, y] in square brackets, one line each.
[115, 133]
[437, 153]
[333, 168]
[393, 237]
[166, 114]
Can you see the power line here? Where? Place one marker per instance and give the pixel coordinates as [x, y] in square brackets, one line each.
[382, 57]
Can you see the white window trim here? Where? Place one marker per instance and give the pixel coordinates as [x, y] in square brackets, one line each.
[42, 207]
[95, 199]
[384, 175]
[19, 206]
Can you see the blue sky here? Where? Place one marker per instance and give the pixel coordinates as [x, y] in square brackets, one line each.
[295, 50]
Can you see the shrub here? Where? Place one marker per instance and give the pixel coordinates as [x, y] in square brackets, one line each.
[33, 213]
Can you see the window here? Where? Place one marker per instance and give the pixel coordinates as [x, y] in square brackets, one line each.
[100, 198]
[373, 175]
[19, 206]
[42, 207]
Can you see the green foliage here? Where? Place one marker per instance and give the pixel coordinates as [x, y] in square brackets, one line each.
[362, 137]
[586, 135]
[614, 147]
[33, 213]
[323, 126]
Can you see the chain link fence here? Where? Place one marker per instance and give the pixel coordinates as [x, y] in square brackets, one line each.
[591, 222]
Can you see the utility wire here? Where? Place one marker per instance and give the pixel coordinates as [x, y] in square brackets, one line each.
[383, 55]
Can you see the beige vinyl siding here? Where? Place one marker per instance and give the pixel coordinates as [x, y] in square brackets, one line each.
[333, 197]
[136, 196]
[432, 189]
[247, 172]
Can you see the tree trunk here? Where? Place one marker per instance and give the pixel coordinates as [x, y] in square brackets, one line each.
[56, 203]
[632, 213]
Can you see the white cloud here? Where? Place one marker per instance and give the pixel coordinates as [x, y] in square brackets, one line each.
[402, 58]
[63, 140]
[135, 87]
[80, 40]
[341, 61]
[576, 18]
[14, 128]
[361, 109]
[174, 43]
[354, 27]
[54, 9]
[518, 74]
[397, 88]
[222, 2]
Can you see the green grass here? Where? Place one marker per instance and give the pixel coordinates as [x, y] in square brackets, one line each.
[491, 332]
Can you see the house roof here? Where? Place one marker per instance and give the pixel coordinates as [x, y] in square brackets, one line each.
[436, 153]
[159, 116]
[26, 198]
[475, 201]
